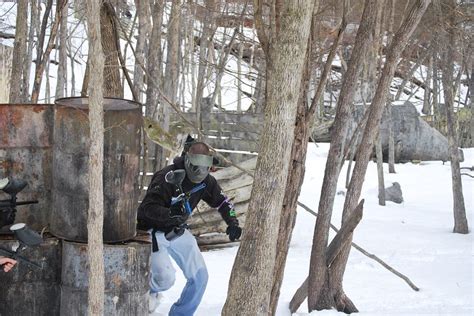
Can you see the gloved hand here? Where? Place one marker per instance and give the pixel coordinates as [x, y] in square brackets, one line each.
[234, 232]
[177, 210]
[178, 214]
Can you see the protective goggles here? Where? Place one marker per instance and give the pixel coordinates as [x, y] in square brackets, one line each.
[200, 160]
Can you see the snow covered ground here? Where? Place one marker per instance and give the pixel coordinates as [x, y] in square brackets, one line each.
[415, 238]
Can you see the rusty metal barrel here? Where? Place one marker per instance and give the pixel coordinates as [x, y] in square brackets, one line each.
[70, 202]
[126, 269]
[32, 291]
[26, 138]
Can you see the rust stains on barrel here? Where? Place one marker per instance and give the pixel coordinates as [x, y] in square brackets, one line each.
[26, 138]
[126, 269]
[122, 122]
[31, 291]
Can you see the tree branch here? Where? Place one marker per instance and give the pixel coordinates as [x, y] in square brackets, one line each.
[343, 234]
[259, 26]
[6, 35]
[326, 71]
[115, 22]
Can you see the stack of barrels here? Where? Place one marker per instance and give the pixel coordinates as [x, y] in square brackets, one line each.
[126, 260]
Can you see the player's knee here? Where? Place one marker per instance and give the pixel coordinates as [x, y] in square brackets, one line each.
[166, 281]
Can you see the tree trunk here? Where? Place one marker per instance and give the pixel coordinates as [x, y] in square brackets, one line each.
[95, 218]
[391, 140]
[19, 52]
[34, 25]
[381, 182]
[170, 85]
[394, 51]
[61, 83]
[154, 76]
[71, 60]
[208, 30]
[304, 120]
[256, 256]
[318, 269]
[436, 91]
[449, 36]
[225, 51]
[144, 26]
[41, 34]
[47, 88]
[471, 91]
[426, 98]
[471, 105]
[112, 85]
[293, 187]
[43, 57]
[154, 60]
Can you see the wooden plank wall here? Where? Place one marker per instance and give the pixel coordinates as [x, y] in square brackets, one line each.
[234, 135]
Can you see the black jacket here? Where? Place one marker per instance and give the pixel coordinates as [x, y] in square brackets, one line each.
[154, 210]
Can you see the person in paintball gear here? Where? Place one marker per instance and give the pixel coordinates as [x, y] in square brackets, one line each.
[166, 221]
[6, 263]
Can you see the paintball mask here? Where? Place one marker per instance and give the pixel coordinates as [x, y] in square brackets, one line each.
[197, 166]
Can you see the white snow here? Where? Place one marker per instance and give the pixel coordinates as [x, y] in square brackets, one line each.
[415, 238]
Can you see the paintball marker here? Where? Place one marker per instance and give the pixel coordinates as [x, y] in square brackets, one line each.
[176, 177]
[8, 207]
[26, 238]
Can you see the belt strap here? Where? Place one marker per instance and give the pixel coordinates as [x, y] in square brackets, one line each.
[154, 242]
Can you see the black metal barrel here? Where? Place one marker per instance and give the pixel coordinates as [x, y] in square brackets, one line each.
[122, 122]
[31, 291]
[26, 140]
[126, 268]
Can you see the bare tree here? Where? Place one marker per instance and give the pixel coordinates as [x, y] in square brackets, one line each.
[170, 85]
[144, 32]
[285, 46]
[208, 31]
[108, 28]
[61, 84]
[154, 77]
[319, 293]
[304, 121]
[449, 36]
[380, 177]
[34, 25]
[427, 94]
[95, 218]
[471, 103]
[19, 53]
[43, 57]
[391, 142]
[154, 59]
[351, 203]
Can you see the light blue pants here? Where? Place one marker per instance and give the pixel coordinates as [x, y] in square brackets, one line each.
[185, 251]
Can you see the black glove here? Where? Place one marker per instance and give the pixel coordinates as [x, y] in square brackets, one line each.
[234, 232]
[177, 210]
[178, 213]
